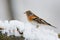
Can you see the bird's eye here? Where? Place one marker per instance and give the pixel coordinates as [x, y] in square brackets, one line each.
[31, 14]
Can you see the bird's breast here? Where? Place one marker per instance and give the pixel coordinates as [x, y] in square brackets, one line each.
[30, 18]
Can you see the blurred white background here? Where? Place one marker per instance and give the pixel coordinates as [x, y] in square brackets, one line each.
[49, 10]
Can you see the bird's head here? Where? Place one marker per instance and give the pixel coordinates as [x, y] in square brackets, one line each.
[29, 13]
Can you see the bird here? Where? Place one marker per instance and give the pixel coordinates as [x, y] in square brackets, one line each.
[32, 17]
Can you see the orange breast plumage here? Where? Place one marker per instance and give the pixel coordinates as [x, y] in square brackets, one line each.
[30, 18]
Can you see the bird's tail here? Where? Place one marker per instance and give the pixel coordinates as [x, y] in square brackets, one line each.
[54, 26]
[51, 25]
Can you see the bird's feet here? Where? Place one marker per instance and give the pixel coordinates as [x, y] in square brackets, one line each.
[37, 26]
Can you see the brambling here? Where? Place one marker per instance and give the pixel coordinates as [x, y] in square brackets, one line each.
[32, 17]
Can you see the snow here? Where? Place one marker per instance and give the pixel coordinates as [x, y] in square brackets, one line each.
[41, 33]
[30, 32]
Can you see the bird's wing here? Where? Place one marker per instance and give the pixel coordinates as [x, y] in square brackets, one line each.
[38, 20]
[44, 22]
[41, 21]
